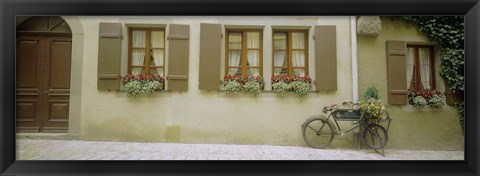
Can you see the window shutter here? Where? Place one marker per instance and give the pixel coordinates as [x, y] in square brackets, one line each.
[326, 57]
[210, 56]
[397, 72]
[109, 56]
[178, 51]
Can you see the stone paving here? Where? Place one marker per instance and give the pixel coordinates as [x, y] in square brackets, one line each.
[41, 149]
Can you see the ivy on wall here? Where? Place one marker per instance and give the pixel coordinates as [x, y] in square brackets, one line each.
[448, 31]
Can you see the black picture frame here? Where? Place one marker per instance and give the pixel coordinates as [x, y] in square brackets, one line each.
[9, 9]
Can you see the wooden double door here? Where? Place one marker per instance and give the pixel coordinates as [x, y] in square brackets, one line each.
[43, 64]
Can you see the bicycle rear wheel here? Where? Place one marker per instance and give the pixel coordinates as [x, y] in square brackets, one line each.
[375, 136]
[318, 132]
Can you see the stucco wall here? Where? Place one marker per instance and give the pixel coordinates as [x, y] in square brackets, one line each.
[196, 116]
[411, 128]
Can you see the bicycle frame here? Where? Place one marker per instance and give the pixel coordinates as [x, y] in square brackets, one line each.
[361, 122]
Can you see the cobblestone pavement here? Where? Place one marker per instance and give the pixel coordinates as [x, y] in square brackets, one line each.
[30, 149]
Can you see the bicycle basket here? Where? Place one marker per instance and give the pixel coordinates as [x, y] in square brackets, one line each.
[347, 114]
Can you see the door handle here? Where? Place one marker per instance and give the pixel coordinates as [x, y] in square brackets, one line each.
[45, 92]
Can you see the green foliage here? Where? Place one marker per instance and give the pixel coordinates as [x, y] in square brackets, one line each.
[253, 86]
[371, 92]
[452, 63]
[461, 110]
[232, 87]
[133, 88]
[419, 102]
[447, 30]
[435, 101]
[149, 87]
[301, 88]
[281, 88]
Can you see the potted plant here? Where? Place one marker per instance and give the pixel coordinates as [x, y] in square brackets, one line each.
[253, 85]
[372, 106]
[421, 98]
[280, 85]
[419, 102]
[301, 85]
[142, 83]
[435, 101]
[232, 84]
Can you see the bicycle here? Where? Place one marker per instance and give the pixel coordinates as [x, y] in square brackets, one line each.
[319, 131]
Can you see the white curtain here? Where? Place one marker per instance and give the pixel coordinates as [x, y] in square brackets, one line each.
[280, 42]
[411, 67]
[298, 57]
[158, 41]
[138, 55]
[234, 57]
[253, 56]
[425, 67]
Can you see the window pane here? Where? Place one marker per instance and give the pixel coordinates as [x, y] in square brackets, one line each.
[298, 58]
[253, 40]
[425, 67]
[235, 71]
[253, 57]
[280, 41]
[235, 41]
[299, 72]
[298, 40]
[411, 79]
[156, 58]
[280, 71]
[158, 39]
[158, 71]
[234, 58]
[136, 71]
[280, 58]
[253, 71]
[139, 38]
[138, 57]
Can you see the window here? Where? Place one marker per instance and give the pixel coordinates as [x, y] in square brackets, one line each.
[420, 67]
[289, 53]
[146, 42]
[244, 53]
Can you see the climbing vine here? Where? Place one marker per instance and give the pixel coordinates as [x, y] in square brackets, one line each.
[448, 31]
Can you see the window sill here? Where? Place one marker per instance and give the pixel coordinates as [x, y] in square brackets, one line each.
[271, 91]
[411, 108]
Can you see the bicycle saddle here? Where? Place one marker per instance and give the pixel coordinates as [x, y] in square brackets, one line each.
[330, 107]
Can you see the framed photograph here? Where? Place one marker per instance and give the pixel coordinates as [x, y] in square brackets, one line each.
[242, 73]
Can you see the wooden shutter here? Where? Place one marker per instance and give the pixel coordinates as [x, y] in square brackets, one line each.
[326, 57]
[397, 72]
[178, 51]
[210, 56]
[109, 56]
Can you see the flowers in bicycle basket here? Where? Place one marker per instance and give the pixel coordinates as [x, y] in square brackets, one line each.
[421, 98]
[298, 84]
[142, 83]
[250, 84]
[372, 106]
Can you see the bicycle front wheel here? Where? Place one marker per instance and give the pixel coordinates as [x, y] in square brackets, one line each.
[318, 132]
[375, 136]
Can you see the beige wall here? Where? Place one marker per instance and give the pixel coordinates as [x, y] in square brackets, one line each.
[411, 128]
[198, 116]
[213, 117]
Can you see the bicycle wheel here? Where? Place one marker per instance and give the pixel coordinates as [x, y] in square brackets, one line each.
[318, 132]
[375, 136]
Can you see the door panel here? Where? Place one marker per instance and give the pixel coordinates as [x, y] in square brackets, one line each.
[43, 83]
[29, 80]
[57, 84]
